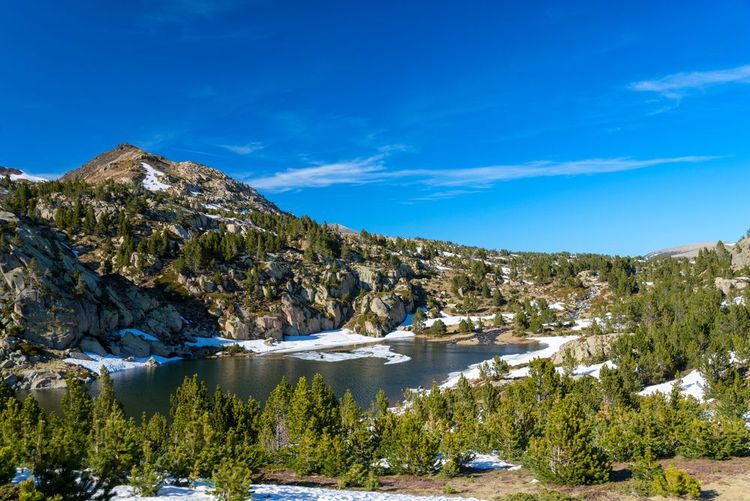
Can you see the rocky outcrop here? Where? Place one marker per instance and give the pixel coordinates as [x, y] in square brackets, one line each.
[300, 318]
[45, 380]
[55, 301]
[250, 327]
[177, 231]
[375, 279]
[379, 313]
[91, 345]
[587, 349]
[727, 285]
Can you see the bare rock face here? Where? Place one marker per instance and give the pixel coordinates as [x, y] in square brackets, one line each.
[132, 345]
[586, 349]
[379, 313]
[178, 231]
[57, 301]
[299, 317]
[263, 327]
[727, 285]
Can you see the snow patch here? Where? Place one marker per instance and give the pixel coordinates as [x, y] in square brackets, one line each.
[485, 462]
[22, 474]
[291, 344]
[377, 351]
[117, 364]
[693, 384]
[590, 370]
[27, 177]
[151, 181]
[273, 492]
[456, 319]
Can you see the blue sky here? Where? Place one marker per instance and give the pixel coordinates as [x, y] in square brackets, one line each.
[580, 126]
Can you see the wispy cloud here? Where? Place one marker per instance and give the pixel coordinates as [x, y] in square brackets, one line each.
[459, 181]
[243, 149]
[675, 86]
[443, 195]
[358, 171]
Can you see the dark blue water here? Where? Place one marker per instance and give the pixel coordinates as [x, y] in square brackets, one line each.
[148, 390]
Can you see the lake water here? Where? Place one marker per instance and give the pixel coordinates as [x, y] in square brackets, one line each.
[148, 390]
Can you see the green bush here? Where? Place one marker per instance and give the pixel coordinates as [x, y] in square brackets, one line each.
[7, 465]
[232, 480]
[438, 328]
[566, 454]
[28, 492]
[356, 476]
[676, 482]
[8, 492]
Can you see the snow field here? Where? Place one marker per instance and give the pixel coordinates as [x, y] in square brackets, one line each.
[151, 181]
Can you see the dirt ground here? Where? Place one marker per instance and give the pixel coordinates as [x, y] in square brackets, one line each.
[491, 335]
[725, 480]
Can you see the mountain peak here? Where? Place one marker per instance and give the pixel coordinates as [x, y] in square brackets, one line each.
[128, 164]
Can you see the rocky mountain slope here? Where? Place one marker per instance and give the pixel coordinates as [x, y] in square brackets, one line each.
[129, 164]
[132, 240]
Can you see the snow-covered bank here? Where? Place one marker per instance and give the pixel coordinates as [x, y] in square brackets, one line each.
[552, 346]
[692, 384]
[320, 341]
[456, 319]
[377, 351]
[273, 492]
[117, 364]
[291, 344]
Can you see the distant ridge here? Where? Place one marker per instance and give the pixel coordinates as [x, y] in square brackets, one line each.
[19, 175]
[687, 251]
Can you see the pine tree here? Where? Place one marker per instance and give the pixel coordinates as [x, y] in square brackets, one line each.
[274, 422]
[7, 465]
[325, 407]
[351, 414]
[438, 329]
[409, 447]
[144, 477]
[27, 491]
[566, 454]
[300, 410]
[232, 480]
[189, 404]
[418, 320]
[115, 446]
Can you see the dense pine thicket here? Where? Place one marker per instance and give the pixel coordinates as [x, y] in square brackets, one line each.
[565, 430]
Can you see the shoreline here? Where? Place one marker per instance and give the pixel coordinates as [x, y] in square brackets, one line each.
[552, 345]
[343, 340]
